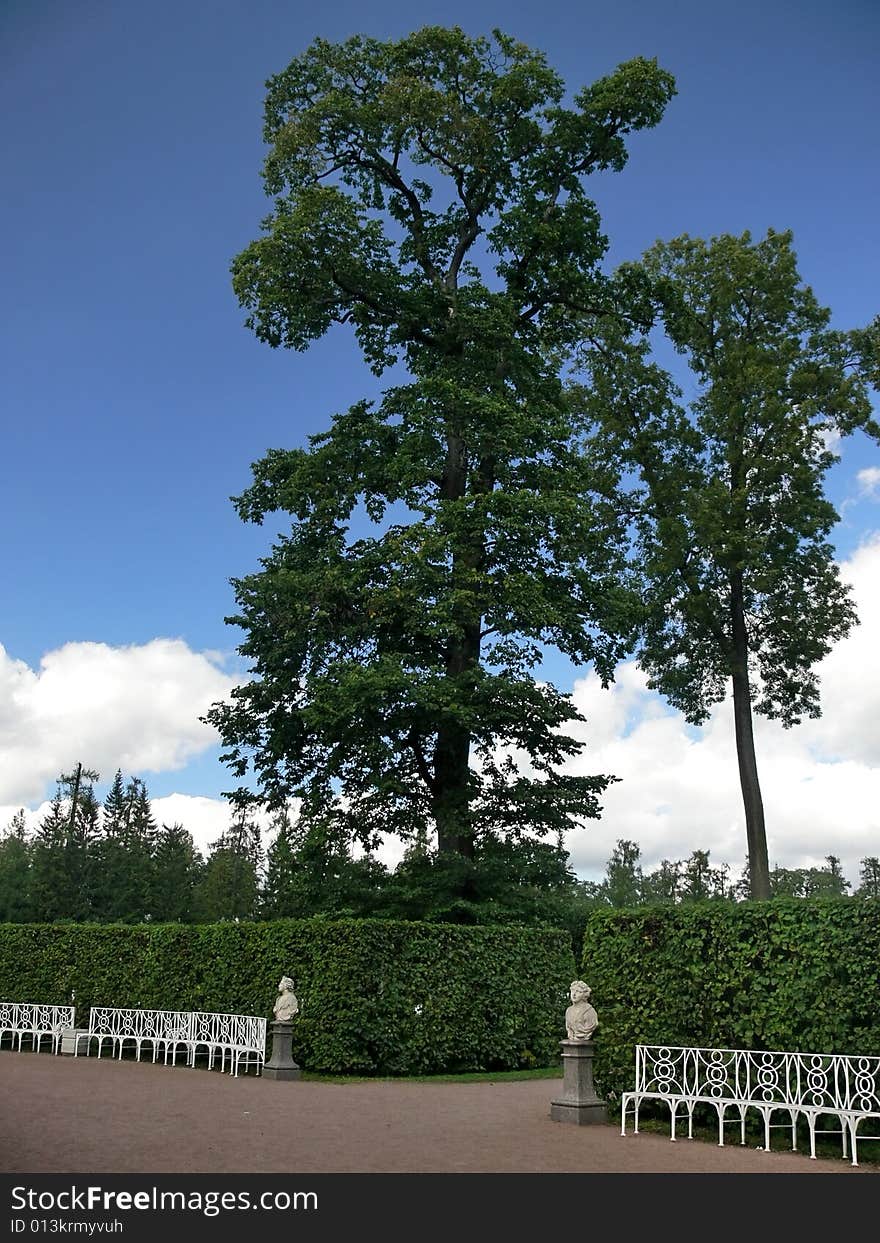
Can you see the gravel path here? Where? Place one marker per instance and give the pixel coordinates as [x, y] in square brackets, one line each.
[84, 1115]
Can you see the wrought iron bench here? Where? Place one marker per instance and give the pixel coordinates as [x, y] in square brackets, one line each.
[803, 1085]
[35, 1020]
[239, 1037]
[164, 1030]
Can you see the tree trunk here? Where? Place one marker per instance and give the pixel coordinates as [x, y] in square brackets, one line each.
[451, 769]
[452, 750]
[74, 806]
[756, 837]
[452, 758]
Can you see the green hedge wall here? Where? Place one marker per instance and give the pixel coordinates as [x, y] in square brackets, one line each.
[791, 974]
[491, 998]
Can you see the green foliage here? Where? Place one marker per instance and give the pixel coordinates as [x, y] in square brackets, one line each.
[310, 872]
[430, 192]
[742, 590]
[376, 997]
[869, 875]
[121, 856]
[524, 882]
[785, 974]
[15, 893]
[228, 885]
[689, 880]
[63, 871]
[177, 866]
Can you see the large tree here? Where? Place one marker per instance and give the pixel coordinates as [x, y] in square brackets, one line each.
[743, 593]
[430, 193]
[63, 868]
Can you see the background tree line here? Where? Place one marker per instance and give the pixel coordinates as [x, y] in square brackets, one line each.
[114, 863]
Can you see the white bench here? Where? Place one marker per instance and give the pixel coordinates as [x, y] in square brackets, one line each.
[164, 1030]
[239, 1037]
[35, 1020]
[803, 1085]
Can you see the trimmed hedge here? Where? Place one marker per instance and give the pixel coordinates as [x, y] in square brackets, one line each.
[791, 974]
[376, 996]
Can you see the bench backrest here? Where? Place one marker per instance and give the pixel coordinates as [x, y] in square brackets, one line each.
[818, 1080]
[232, 1030]
[26, 1016]
[241, 1031]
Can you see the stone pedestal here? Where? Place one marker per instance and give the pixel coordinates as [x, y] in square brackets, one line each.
[281, 1064]
[579, 1103]
[69, 1037]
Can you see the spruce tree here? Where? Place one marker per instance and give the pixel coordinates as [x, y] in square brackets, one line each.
[16, 903]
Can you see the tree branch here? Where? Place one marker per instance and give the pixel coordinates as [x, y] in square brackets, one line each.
[421, 762]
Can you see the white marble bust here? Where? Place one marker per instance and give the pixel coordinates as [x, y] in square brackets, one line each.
[286, 1004]
[580, 1017]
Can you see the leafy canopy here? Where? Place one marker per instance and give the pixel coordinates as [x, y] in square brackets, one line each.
[430, 193]
[732, 487]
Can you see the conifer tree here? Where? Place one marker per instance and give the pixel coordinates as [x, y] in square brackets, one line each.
[177, 868]
[16, 904]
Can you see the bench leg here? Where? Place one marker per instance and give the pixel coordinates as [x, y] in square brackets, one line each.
[623, 1101]
[853, 1131]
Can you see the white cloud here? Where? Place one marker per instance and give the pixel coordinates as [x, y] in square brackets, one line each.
[869, 482]
[136, 708]
[205, 818]
[679, 787]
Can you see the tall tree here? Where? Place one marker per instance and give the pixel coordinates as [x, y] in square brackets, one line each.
[623, 883]
[16, 905]
[869, 875]
[177, 867]
[279, 895]
[116, 805]
[63, 875]
[700, 881]
[123, 854]
[743, 592]
[430, 193]
[228, 886]
[663, 886]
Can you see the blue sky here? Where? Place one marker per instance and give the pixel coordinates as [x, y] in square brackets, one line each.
[134, 399]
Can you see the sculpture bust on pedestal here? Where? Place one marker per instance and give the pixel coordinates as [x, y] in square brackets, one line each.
[580, 1017]
[281, 1064]
[286, 1004]
[579, 1103]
